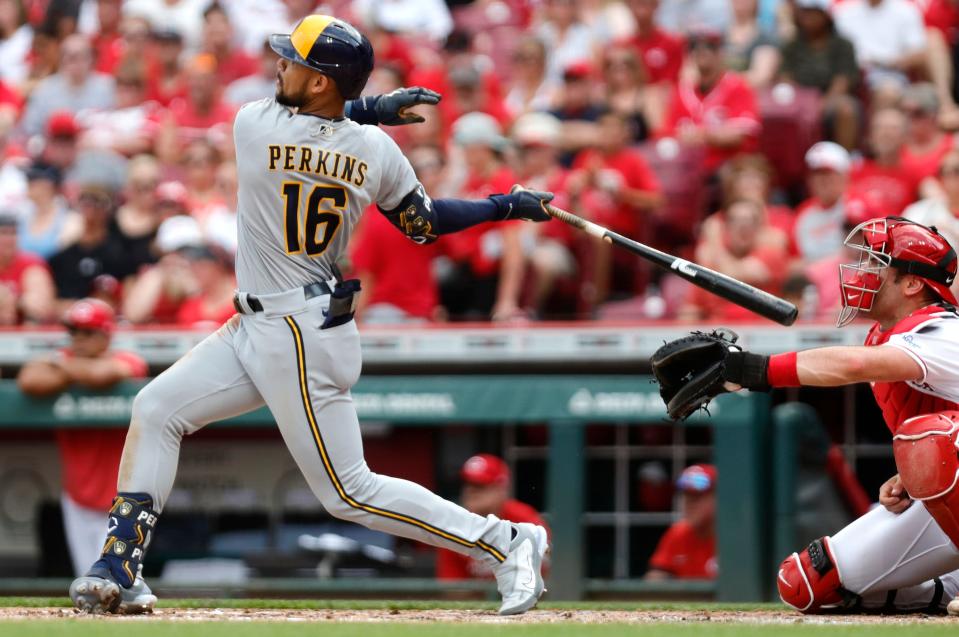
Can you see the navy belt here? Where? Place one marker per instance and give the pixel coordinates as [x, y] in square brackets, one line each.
[310, 291]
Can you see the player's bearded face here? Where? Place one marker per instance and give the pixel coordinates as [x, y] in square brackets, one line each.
[291, 84]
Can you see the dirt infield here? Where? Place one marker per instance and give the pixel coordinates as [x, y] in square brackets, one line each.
[458, 616]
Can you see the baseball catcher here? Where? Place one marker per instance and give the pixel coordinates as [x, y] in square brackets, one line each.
[902, 556]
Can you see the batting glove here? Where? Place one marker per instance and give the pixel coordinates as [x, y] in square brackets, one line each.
[528, 205]
[392, 108]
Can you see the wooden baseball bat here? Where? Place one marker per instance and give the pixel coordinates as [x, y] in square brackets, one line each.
[742, 294]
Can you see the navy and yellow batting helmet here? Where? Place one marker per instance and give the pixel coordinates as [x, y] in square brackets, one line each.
[332, 47]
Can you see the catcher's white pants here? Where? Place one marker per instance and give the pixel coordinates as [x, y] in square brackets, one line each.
[282, 358]
[84, 529]
[894, 559]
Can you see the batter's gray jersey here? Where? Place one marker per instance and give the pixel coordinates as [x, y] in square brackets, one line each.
[304, 181]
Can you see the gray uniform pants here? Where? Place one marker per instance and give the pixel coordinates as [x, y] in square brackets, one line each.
[282, 358]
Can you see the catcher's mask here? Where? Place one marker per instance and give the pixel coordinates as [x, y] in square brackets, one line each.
[909, 247]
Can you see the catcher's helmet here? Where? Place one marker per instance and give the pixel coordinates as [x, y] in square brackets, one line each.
[332, 47]
[909, 247]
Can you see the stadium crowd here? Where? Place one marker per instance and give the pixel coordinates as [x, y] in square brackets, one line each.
[748, 135]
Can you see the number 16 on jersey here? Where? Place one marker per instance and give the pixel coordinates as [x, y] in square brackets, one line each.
[314, 229]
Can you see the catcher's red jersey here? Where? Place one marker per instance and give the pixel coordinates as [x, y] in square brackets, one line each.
[931, 336]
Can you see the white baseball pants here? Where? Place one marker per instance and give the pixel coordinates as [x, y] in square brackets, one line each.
[282, 358]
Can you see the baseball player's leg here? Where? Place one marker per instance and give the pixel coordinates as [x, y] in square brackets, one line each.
[882, 559]
[305, 373]
[84, 529]
[206, 385]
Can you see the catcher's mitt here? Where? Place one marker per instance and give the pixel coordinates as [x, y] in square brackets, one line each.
[691, 371]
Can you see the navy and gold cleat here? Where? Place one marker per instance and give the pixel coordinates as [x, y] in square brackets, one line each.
[97, 593]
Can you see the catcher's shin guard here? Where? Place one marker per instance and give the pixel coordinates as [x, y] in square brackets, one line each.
[132, 520]
[925, 451]
[809, 581]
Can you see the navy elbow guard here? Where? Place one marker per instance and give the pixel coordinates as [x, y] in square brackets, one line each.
[414, 216]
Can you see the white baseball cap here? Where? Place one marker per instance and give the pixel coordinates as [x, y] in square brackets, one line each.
[479, 129]
[828, 156]
[178, 232]
[536, 129]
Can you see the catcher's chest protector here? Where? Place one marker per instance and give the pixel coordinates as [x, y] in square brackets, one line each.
[900, 401]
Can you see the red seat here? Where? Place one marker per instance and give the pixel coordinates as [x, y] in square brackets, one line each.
[791, 118]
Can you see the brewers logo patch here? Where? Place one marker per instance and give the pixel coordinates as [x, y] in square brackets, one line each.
[125, 509]
[119, 547]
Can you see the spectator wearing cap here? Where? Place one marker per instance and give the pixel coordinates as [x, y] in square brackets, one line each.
[488, 260]
[98, 250]
[821, 220]
[627, 93]
[536, 137]
[926, 143]
[74, 87]
[942, 211]
[89, 457]
[16, 36]
[750, 50]
[165, 76]
[531, 88]
[202, 115]
[880, 180]
[615, 183]
[139, 216]
[47, 223]
[157, 294]
[258, 85]
[567, 37]
[716, 109]
[394, 295]
[738, 251]
[26, 288]
[486, 491]
[818, 57]
[232, 62]
[660, 51]
[578, 109]
[890, 42]
[211, 304]
[688, 548]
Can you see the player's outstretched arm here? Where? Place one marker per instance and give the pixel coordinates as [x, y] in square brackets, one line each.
[693, 370]
[391, 109]
[423, 219]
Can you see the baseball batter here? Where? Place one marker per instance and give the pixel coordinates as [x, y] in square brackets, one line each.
[903, 555]
[305, 175]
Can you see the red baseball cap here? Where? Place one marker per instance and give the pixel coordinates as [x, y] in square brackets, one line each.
[485, 469]
[90, 314]
[697, 478]
[62, 124]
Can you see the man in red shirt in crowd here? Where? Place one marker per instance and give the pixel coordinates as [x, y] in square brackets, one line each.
[486, 488]
[688, 548]
[717, 109]
[881, 182]
[192, 117]
[661, 52]
[391, 294]
[89, 458]
[27, 292]
[232, 62]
